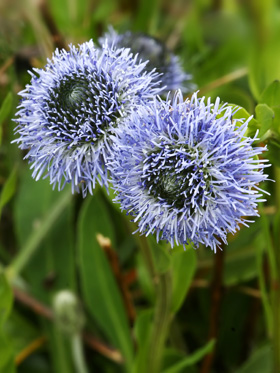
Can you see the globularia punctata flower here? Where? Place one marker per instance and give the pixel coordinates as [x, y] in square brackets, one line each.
[187, 172]
[71, 108]
[148, 48]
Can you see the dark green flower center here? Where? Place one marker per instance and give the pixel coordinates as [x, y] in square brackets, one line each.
[177, 177]
[73, 94]
[83, 106]
[169, 186]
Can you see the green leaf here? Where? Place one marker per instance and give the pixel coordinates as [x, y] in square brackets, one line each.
[265, 116]
[265, 50]
[142, 329]
[29, 331]
[7, 356]
[237, 97]
[240, 270]
[172, 356]
[142, 325]
[144, 23]
[59, 349]
[103, 10]
[39, 229]
[99, 286]
[9, 367]
[271, 95]
[183, 270]
[273, 152]
[8, 189]
[44, 228]
[144, 278]
[276, 225]
[240, 262]
[6, 299]
[6, 107]
[242, 113]
[70, 15]
[259, 362]
[276, 120]
[271, 98]
[192, 359]
[4, 112]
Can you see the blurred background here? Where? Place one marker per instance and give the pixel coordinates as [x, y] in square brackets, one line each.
[76, 291]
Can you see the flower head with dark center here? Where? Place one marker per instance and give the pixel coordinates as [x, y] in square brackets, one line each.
[71, 108]
[187, 172]
[151, 49]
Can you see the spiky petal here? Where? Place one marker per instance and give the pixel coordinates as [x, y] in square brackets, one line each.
[148, 48]
[187, 172]
[72, 107]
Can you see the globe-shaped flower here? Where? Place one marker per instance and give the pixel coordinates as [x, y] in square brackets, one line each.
[187, 172]
[151, 49]
[71, 108]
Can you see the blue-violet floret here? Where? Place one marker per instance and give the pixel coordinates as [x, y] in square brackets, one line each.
[71, 108]
[186, 171]
[167, 64]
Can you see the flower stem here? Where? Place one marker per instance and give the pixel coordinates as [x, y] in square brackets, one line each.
[162, 312]
[264, 294]
[273, 314]
[276, 327]
[78, 354]
[148, 256]
[162, 318]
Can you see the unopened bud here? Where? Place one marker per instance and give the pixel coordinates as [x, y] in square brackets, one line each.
[68, 312]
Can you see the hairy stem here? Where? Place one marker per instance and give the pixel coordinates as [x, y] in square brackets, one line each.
[78, 354]
[162, 311]
[264, 294]
[161, 322]
[148, 256]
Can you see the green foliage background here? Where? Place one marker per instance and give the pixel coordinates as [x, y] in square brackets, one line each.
[49, 240]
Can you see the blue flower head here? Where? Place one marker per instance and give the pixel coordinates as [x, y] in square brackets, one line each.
[151, 49]
[187, 172]
[72, 107]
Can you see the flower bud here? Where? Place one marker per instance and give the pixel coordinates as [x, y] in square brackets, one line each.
[68, 312]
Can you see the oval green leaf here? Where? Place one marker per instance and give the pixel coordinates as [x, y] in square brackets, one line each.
[271, 95]
[265, 116]
[6, 107]
[6, 299]
[192, 359]
[9, 189]
[259, 362]
[101, 293]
